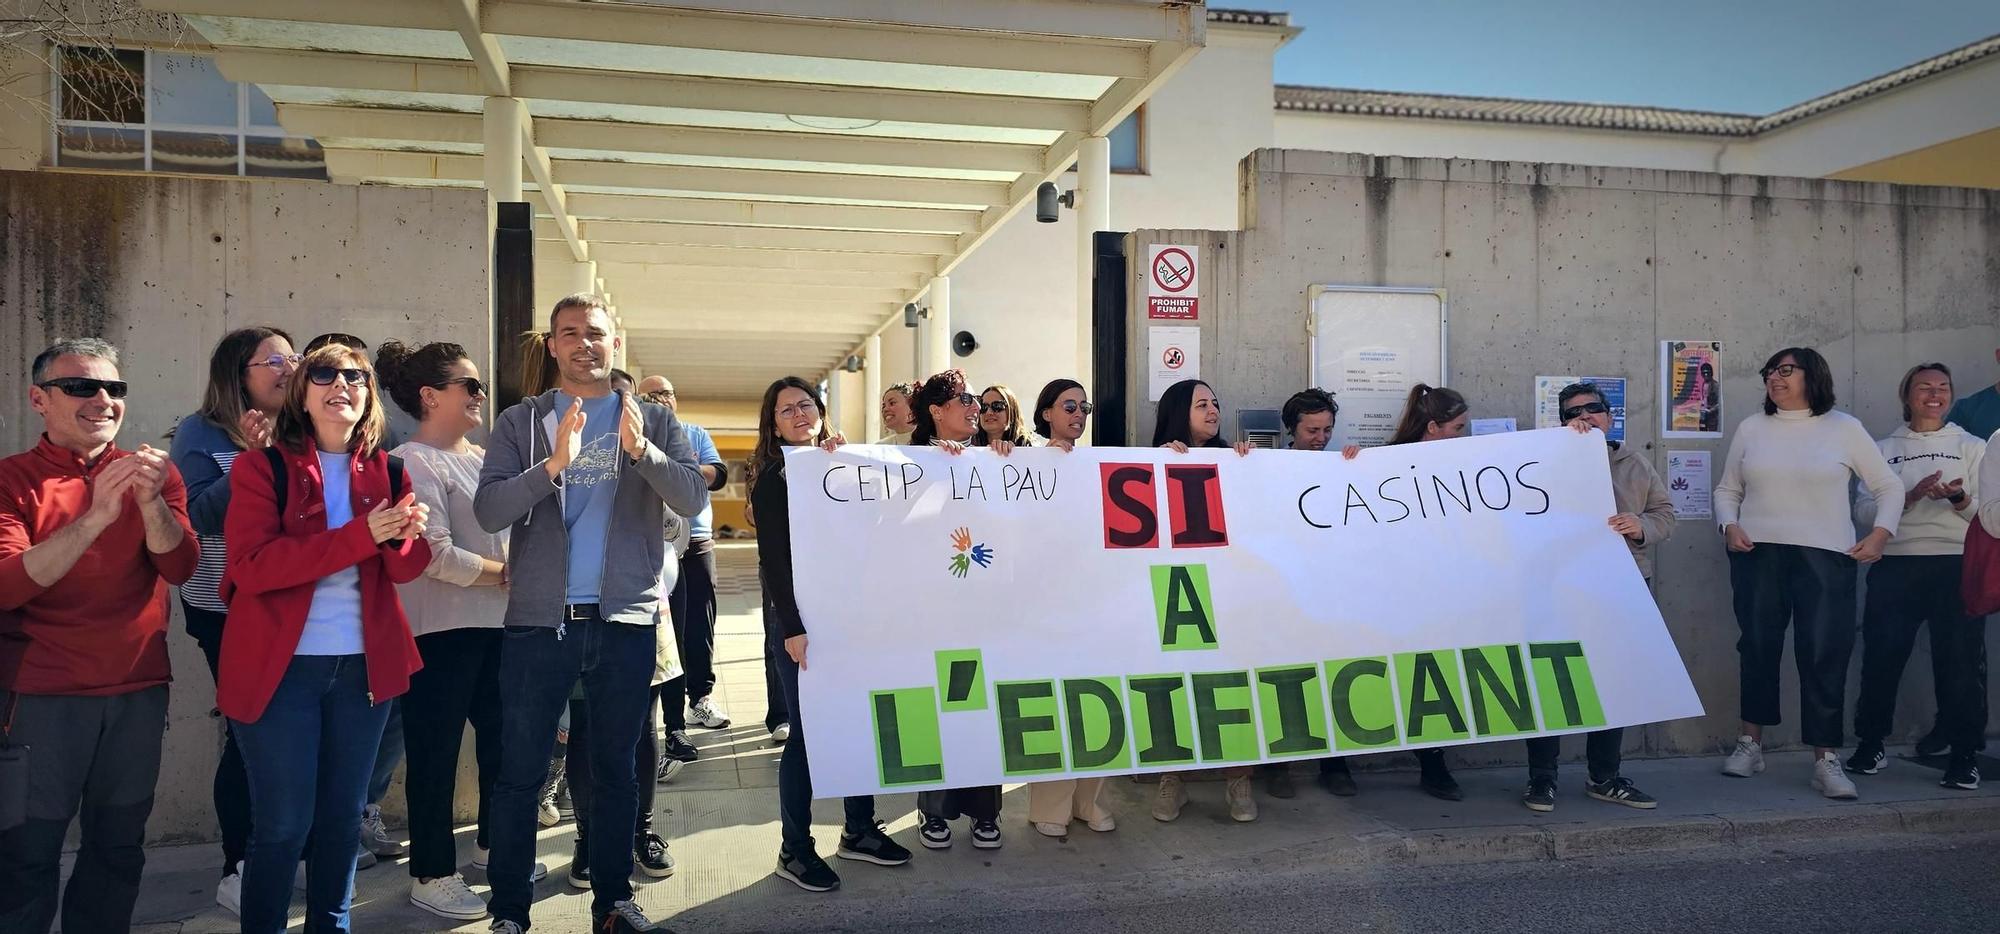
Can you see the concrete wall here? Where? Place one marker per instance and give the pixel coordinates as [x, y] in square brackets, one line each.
[1574, 269]
[1017, 293]
[164, 266]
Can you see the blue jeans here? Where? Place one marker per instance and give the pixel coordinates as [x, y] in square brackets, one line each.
[308, 759]
[538, 668]
[387, 755]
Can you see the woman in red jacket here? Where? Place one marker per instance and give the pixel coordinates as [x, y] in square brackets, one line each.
[321, 527]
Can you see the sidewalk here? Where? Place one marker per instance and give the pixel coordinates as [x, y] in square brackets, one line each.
[720, 818]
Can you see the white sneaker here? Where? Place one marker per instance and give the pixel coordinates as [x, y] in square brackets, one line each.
[375, 837]
[1746, 759]
[1169, 799]
[1242, 801]
[481, 854]
[1831, 780]
[447, 897]
[1103, 824]
[1051, 829]
[704, 713]
[782, 735]
[667, 769]
[229, 892]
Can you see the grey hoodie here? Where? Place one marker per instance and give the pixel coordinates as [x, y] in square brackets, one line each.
[515, 490]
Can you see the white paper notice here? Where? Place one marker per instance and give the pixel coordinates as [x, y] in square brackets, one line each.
[1492, 426]
[1175, 356]
[1687, 484]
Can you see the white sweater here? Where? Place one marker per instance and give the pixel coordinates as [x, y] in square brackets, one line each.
[1785, 480]
[1930, 526]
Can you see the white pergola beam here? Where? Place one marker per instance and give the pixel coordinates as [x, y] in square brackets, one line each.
[756, 238]
[677, 272]
[908, 263]
[485, 50]
[1005, 48]
[553, 196]
[694, 294]
[541, 82]
[770, 213]
[644, 324]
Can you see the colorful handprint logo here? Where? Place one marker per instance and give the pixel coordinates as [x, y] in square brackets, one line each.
[965, 554]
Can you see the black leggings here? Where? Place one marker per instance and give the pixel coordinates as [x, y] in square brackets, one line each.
[1905, 592]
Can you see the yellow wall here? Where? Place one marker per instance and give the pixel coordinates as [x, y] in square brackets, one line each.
[1966, 162]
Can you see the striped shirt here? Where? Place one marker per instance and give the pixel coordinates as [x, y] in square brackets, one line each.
[204, 588]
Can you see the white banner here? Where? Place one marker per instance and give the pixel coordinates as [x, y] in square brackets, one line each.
[974, 619]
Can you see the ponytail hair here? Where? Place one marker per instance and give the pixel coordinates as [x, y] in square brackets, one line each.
[1425, 405]
[403, 371]
[538, 369]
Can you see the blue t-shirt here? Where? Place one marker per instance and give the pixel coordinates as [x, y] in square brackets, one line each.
[1978, 414]
[333, 622]
[704, 453]
[590, 482]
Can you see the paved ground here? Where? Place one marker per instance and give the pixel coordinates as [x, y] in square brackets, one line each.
[1720, 853]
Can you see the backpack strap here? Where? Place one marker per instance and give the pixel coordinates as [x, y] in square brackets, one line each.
[278, 485]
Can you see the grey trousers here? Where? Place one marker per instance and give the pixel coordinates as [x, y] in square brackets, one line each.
[94, 757]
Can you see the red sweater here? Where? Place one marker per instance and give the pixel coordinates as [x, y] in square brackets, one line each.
[276, 561]
[102, 628]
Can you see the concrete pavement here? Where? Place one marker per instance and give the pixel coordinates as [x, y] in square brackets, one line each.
[720, 818]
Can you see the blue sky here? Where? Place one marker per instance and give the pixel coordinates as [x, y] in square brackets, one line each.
[1745, 56]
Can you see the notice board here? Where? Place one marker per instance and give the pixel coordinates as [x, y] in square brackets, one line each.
[1369, 344]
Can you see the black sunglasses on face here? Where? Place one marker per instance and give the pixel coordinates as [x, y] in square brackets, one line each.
[83, 387]
[997, 408]
[1593, 408]
[325, 375]
[966, 398]
[473, 387]
[1072, 407]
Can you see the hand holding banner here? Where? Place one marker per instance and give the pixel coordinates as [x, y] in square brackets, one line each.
[978, 619]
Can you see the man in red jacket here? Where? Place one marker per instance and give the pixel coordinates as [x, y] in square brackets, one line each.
[90, 537]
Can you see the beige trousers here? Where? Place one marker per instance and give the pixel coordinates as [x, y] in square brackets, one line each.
[1058, 801]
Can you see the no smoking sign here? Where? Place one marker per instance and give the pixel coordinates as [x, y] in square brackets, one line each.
[1173, 280]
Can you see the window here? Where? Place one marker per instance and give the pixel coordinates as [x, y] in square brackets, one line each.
[137, 110]
[1128, 144]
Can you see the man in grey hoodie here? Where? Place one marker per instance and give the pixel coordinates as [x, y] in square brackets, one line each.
[1645, 518]
[570, 472]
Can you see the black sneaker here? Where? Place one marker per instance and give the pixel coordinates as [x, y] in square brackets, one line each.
[985, 835]
[1437, 782]
[1934, 743]
[1868, 757]
[872, 846]
[935, 833]
[1541, 794]
[1278, 781]
[807, 871]
[1336, 779]
[1963, 772]
[579, 866]
[650, 852]
[679, 748]
[623, 918]
[1620, 790]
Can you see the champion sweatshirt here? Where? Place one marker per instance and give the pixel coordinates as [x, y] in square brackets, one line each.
[1930, 526]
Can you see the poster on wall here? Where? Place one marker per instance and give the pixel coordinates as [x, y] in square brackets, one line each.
[1548, 389]
[1687, 485]
[1690, 389]
[1174, 355]
[1369, 345]
[1173, 282]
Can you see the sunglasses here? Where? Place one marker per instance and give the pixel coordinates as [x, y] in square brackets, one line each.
[1590, 408]
[325, 375]
[997, 408]
[1782, 370]
[966, 398]
[279, 360]
[1072, 407]
[473, 387]
[83, 387]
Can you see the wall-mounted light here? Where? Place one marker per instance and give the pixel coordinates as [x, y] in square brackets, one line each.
[911, 313]
[1049, 200]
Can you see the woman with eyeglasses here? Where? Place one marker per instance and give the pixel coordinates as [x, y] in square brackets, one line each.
[454, 609]
[247, 376]
[1190, 416]
[948, 417]
[1001, 419]
[321, 525]
[1060, 412]
[790, 417]
[1433, 413]
[1783, 509]
[1917, 582]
